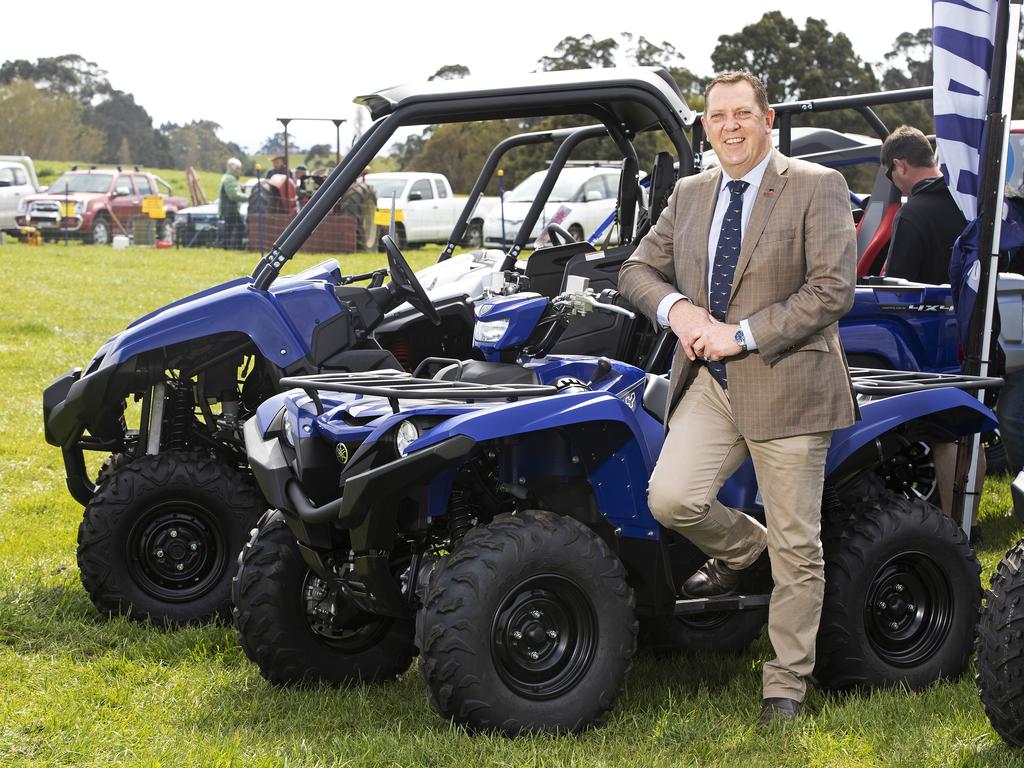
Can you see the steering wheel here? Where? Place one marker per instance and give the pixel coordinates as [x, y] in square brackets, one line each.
[406, 285]
[559, 235]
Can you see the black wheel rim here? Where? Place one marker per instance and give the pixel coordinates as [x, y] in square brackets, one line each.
[911, 472]
[176, 551]
[909, 609]
[544, 637]
[336, 623]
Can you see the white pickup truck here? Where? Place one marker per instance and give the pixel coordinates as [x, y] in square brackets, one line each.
[17, 179]
[425, 208]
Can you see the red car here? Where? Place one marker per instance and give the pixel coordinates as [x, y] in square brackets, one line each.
[96, 204]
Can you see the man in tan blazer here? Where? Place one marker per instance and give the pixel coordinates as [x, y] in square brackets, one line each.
[752, 265]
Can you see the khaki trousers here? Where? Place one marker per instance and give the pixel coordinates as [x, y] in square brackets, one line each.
[702, 449]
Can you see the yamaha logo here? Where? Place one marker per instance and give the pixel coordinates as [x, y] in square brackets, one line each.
[342, 453]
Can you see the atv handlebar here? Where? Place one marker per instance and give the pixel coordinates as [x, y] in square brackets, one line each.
[581, 302]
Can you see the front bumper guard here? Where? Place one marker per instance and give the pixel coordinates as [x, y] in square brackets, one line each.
[368, 508]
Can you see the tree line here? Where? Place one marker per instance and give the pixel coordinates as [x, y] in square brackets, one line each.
[64, 107]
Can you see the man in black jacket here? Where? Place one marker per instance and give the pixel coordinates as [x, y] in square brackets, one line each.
[929, 222]
[922, 242]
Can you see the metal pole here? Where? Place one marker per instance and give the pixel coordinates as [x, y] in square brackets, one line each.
[284, 122]
[501, 202]
[1001, 122]
[337, 140]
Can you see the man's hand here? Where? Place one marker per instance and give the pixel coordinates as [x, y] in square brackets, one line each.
[717, 341]
[688, 322]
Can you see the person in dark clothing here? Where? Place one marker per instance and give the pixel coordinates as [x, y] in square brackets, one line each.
[277, 166]
[929, 222]
[922, 243]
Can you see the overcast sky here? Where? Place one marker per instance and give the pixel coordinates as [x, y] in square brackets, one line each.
[245, 65]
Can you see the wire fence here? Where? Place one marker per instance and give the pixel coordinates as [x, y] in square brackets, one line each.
[271, 205]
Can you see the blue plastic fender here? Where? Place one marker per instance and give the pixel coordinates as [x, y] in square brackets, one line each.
[235, 308]
[952, 409]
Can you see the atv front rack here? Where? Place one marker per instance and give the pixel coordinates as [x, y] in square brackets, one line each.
[399, 385]
[877, 382]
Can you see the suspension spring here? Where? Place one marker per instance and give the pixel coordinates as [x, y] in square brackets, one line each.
[461, 514]
[180, 411]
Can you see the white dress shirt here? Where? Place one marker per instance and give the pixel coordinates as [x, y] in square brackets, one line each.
[753, 177]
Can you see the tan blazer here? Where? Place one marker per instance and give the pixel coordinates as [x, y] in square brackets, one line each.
[795, 278]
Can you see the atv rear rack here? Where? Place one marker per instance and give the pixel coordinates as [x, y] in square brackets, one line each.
[399, 385]
[877, 382]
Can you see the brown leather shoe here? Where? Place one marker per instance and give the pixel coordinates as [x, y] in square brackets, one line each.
[779, 709]
[713, 579]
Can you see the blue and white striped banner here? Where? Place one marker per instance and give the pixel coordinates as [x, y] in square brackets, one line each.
[962, 46]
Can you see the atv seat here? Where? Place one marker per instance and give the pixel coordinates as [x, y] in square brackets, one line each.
[663, 181]
[656, 394]
[874, 230]
[482, 372]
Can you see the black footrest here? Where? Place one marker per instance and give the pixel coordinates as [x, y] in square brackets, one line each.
[729, 603]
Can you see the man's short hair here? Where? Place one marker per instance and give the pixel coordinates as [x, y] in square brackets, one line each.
[730, 78]
[234, 163]
[907, 143]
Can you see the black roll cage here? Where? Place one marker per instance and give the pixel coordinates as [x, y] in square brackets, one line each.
[594, 98]
[861, 103]
[570, 138]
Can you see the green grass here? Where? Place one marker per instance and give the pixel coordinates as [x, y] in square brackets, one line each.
[79, 690]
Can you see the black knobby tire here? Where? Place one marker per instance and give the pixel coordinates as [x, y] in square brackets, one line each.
[474, 235]
[528, 627]
[724, 632]
[1000, 660]
[996, 462]
[360, 202]
[275, 597]
[150, 515]
[902, 594]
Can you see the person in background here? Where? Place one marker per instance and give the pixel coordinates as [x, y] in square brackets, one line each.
[301, 192]
[277, 166]
[229, 196]
[928, 224]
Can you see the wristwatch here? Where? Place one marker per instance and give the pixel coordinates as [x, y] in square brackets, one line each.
[740, 339]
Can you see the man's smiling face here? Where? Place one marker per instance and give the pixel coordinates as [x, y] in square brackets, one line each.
[739, 132]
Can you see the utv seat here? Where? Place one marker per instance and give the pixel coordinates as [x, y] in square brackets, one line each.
[874, 230]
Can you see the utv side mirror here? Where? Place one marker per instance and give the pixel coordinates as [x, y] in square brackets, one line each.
[593, 195]
[415, 196]
[122, 191]
[5, 183]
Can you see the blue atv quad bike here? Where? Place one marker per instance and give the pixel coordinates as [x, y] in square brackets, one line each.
[173, 504]
[170, 506]
[492, 518]
[1000, 660]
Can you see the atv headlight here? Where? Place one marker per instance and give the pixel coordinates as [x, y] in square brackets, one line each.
[287, 425]
[490, 331]
[405, 436]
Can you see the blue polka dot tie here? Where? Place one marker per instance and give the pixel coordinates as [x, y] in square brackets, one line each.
[726, 255]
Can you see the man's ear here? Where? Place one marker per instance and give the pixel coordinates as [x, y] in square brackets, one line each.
[769, 117]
